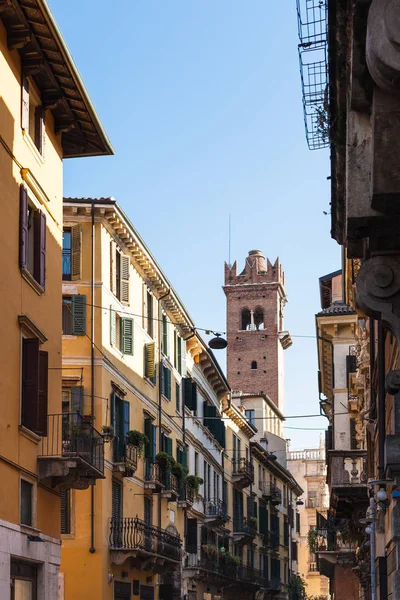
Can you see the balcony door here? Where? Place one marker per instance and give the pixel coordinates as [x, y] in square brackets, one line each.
[120, 421]
[122, 590]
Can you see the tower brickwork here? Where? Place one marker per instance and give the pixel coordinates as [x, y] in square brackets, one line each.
[255, 333]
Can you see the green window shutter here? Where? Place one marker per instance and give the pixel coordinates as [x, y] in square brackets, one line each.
[76, 252]
[125, 264]
[153, 438]
[164, 345]
[191, 536]
[113, 267]
[113, 326]
[177, 397]
[77, 399]
[78, 314]
[255, 509]
[147, 432]
[194, 396]
[127, 336]
[169, 385]
[184, 458]
[166, 382]
[263, 520]
[179, 355]
[168, 445]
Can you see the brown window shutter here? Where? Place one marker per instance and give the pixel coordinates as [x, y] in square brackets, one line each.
[39, 268]
[76, 252]
[25, 103]
[30, 382]
[113, 267]
[23, 227]
[149, 360]
[125, 262]
[41, 428]
[39, 129]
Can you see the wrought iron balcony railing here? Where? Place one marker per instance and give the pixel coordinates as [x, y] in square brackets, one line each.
[224, 566]
[186, 493]
[70, 436]
[128, 462]
[216, 508]
[244, 526]
[170, 483]
[134, 534]
[272, 493]
[153, 473]
[242, 466]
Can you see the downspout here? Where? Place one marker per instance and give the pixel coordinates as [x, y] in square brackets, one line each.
[160, 394]
[184, 446]
[92, 548]
[381, 401]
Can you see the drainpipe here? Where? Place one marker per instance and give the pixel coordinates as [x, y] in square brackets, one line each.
[372, 400]
[160, 393]
[381, 401]
[372, 548]
[92, 548]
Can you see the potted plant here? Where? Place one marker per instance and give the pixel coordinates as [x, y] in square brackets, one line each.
[232, 560]
[253, 522]
[179, 471]
[138, 439]
[107, 432]
[209, 550]
[165, 460]
[312, 541]
[194, 481]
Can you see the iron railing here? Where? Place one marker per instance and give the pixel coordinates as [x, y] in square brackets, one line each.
[186, 492]
[69, 435]
[129, 459]
[134, 534]
[153, 472]
[170, 481]
[313, 567]
[272, 493]
[216, 508]
[244, 525]
[224, 566]
[242, 466]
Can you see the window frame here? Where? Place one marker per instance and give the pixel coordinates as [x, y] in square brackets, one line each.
[33, 501]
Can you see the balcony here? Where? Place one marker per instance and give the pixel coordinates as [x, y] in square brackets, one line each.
[274, 585]
[335, 552]
[186, 495]
[128, 462]
[153, 476]
[72, 453]
[147, 546]
[242, 473]
[243, 531]
[171, 485]
[347, 479]
[216, 512]
[313, 568]
[219, 567]
[272, 493]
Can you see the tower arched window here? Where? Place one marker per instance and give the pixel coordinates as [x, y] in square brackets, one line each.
[258, 319]
[254, 365]
[246, 319]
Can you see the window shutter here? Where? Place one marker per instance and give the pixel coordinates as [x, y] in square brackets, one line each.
[65, 512]
[113, 267]
[191, 536]
[168, 394]
[184, 458]
[168, 445]
[23, 227]
[77, 399]
[147, 432]
[78, 314]
[39, 267]
[183, 358]
[263, 520]
[153, 440]
[42, 395]
[113, 326]
[30, 382]
[116, 506]
[25, 103]
[127, 336]
[125, 263]
[39, 129]
[149, 353]
[179, 354]
[177, 397]
[76, 252]
[190, 393]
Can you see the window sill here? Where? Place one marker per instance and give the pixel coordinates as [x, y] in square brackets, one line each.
[29, 529]
[29, 278]
[31, 145]
[30, 435]
[69, 336]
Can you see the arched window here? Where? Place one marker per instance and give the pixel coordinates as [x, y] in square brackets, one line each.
[258, 319]
[246, 319]
[254, 365]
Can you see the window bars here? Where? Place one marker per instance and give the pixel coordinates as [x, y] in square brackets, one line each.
[312, 20]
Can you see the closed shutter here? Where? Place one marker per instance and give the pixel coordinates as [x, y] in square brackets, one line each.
[184, 458]
[190, 393]
[124, 422]
[250, 507]
[177, 397]
[65, 512]
[150, 430]
[191, 536]
[113, 326]
[78, 314]
[125, 263]
[149, 354]
[168, 445]
[76, 252]
[39, 266]
[41, 427]
[127, 336]
[164, 345]
[39, 129]
[30, 382]
[116, 508]
[183, 358]
[179, 355]
[77, 399]
[263, 520]
[23, 227]
[148, 511]
[166, 382]
[113, 267]
[25, 103]
[210, 413]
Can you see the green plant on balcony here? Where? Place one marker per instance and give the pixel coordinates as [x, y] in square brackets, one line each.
[209, 550]
[297, 588]
[312, 541]
[232, 560]
[253, 523]
[194, 482]
[165, 460]
[138, 439]
[179, 471]
[107, 432]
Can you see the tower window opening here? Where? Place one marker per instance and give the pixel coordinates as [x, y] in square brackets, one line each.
[246, 320]
[254, 365]
[258, 319]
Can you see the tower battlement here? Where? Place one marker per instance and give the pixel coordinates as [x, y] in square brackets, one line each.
[256, 270]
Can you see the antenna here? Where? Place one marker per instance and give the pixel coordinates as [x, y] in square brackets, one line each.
[229, 241]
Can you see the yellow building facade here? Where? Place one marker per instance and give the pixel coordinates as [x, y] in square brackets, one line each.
[39, 126]
[189, 512]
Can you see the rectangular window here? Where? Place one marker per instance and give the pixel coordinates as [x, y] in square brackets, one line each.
[196, 463]
[251, 416]
[67, 255]
[120, 415]
[166, 382]
[71, 253]
[178, 397]
[32, 247]
[179, 355]
[149, 315]
[32, 114]
[74, 315]
[126, 336]
[119, 273]
[150, 370]
[164, 341]
[26, 503]
[23, 580]
[34, 386]
[66, 512]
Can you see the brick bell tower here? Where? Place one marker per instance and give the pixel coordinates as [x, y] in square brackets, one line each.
[255, 301]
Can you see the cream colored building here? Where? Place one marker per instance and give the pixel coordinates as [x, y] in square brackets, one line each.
[308, 467]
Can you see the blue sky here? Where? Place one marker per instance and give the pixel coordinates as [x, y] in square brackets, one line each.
[202, 102]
